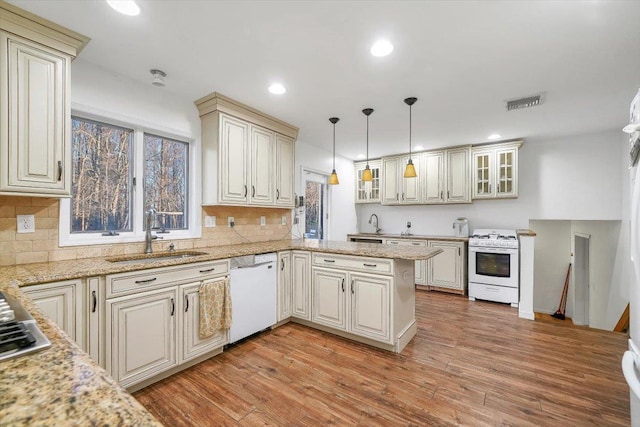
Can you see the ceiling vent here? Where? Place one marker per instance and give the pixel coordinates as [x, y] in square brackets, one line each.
[526, 102]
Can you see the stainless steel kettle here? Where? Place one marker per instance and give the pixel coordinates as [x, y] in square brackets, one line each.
[461, 227]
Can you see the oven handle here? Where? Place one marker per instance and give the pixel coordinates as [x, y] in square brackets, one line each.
[494, 250]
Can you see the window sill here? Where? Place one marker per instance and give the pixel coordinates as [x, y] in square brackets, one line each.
[98, 239]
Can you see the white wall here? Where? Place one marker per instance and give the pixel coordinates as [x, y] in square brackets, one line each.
[342, 214]
[576, 178]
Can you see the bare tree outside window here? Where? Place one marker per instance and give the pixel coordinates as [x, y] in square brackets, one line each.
[165, 181]
[101, 177]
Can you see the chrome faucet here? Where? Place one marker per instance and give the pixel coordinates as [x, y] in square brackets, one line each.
[378, 229]
[148, 237]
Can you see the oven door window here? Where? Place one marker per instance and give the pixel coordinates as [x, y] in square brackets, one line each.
[495, 265]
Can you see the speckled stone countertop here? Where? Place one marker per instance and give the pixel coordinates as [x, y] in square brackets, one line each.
[62, 385]
[410, 237]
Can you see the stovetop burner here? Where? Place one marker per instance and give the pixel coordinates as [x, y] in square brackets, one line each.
[19, 333]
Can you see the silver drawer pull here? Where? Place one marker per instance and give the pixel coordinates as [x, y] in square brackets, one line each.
[393, 243]
[209, 270]
[370, 265]
[329, 260]
[139, 282]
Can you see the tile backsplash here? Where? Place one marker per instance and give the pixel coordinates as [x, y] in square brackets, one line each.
[42, 245]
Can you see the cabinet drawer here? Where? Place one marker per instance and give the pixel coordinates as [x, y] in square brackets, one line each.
[493, 293]
[142, 280]
[404, 242]
[377, 265]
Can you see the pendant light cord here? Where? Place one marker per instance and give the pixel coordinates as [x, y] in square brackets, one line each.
[367, 140]
[334, 146]
[410, 108]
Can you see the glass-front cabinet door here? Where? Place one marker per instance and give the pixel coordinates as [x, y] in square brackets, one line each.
[495, 170]
[482, 174]
[506, 177]
[368, 191]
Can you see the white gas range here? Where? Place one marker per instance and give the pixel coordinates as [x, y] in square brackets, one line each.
[494, 266]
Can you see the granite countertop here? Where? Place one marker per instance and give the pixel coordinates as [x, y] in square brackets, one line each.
[62, 385]
[410, 237]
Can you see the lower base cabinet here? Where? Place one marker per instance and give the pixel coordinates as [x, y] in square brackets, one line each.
[301, 284]
[62, 302]
[148, 333]
[447, 270]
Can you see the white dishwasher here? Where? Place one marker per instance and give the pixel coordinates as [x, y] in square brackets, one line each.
[253, 294]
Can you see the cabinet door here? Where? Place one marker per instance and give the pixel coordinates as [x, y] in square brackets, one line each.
[458, 176]
[410, 186]
[506, 176]
[61, 302]
[192, 345]
[141, 331]
[262, 166]
[390, 190]
[35, 116]
[363, 188]
[368, 191]
[301, 282]
[434, 177]
[446, 269]
[233, 160]
[285, 166]
[328, 290]
[483, 174]
[284, 285]
[95, 319]
[370, 309]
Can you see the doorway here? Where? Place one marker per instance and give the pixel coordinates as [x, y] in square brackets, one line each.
[581, 278]
[315, 205]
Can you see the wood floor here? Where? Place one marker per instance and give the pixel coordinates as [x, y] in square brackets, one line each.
[471, 363]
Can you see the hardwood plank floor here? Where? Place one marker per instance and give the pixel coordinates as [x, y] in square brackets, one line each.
[471, 363]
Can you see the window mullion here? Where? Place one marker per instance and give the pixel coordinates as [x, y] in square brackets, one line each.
[138, 193]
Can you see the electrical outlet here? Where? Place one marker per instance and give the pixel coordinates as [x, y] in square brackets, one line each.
[26, 224]
[263, 220]
[408, 224]
[231, 221]
[209, 221]
[284, 220]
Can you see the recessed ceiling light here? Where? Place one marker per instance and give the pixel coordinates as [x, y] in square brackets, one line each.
[126, 7]
[381, 48]
[361, 156]
[494, 136]
[277, 89]
[419, 147]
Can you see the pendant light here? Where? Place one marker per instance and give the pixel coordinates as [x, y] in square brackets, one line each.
[410, 170]
[366, 174]
[333, 179]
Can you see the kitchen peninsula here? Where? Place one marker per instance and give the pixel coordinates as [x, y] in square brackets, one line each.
[63, 384]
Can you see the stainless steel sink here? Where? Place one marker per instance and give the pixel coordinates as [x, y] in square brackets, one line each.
[150, 258]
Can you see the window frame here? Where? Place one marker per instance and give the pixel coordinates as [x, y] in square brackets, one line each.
[139, 127]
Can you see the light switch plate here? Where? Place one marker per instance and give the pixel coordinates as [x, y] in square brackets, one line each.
[284, 220]
[263, 220]
[26, 224]
[209, 221]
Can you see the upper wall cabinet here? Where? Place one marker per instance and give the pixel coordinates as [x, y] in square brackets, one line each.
[396, 189]
[495, 170]
[368, 191]
[35, 107]
[247, 156]
[445, 176]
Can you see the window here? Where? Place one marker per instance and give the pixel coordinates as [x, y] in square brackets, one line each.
[101, 177]
[165, 180]
[119, 172]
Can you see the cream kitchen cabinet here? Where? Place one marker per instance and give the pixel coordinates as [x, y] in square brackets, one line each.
[35, 112]
[397, 190]
[446, 176]
[192, 344]
[95, 298]
[329, 297]
[301, 282]
[247, 156]
[421, 266]
[143, 330]
[447, 270]
[152, 321]
[285, 165]
[368, 191]
[284, 285]
[495, 170]
[62, 302]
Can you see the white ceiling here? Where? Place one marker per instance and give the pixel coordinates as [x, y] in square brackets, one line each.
[462, 60]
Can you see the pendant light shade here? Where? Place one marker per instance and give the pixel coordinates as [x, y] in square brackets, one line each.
[366, 174]
[410, 170]
[333, 178]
